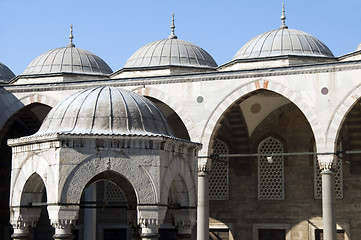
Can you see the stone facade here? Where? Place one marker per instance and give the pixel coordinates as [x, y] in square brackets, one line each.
[308, 104]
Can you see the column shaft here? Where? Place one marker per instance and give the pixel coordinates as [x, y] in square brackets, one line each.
[328, 205]
[203, 206]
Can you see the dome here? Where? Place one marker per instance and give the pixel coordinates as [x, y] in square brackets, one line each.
[283, 42]
[68, 59]
[106, 111]
[170, 52]
[5, 73]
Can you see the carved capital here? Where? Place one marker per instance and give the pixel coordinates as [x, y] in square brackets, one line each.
[23, 224]
[63, 223]
[326, 163]
[204, 165]
[184, 220]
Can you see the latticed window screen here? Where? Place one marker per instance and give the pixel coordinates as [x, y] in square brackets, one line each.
[318, 179]
[218, 180]
[113, 192]
[271, 170]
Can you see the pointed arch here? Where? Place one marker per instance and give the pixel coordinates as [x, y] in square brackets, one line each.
[250, 87]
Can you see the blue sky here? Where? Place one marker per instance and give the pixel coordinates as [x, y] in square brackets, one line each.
[115, 29]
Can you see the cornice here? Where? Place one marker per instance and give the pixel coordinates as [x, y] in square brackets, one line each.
[198, 77]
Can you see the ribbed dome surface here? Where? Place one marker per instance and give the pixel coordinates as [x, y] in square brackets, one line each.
[282, 42]
[106, 111]
[68, 60]
[5, 73]
[170, 52]
[358, 47]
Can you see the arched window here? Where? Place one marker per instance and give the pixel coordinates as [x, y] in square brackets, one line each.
[270, 170]
[218, 180]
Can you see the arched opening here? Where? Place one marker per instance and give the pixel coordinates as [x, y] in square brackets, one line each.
[174, 120]
[261, 122]
[178, 210]
[23, 123]
[107, 209]
[348, 167]
[34, 204]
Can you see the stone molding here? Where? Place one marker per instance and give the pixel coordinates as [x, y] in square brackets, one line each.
[214, 76]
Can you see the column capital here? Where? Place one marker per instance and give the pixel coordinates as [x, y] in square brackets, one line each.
[204, 165]
[326, 163]
[184, 220]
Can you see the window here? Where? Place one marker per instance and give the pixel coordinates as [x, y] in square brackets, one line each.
[272, 234]
[270, 170]
[218, 179]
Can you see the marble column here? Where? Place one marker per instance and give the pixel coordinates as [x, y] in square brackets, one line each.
[203, 200]
[328, 199]
[21, 229]
[63, 230]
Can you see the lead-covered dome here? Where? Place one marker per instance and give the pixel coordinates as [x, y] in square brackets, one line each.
[170, 52]
[106, 111]
[283, 42]
[68, 59]
[5, 73]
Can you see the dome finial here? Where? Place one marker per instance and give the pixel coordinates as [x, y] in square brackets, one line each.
[71, 37]
[283, 18]
[172, 35]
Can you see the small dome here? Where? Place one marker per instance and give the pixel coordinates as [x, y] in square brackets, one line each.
[170, 52]
[283, 42]
[106, 111]
[5, 73]
[68, 59]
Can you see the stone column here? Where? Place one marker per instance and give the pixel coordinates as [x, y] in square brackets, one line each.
[150, 217]
[203, 200]
[22, 222]
[184, 220]
[328, 198]
[63, 218]
[90, 214]
[21, 229]
[63, 229]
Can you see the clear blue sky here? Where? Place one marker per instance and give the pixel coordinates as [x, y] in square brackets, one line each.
[114, 29]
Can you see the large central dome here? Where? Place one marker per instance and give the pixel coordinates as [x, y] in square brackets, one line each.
[283, 42]
[106, 111]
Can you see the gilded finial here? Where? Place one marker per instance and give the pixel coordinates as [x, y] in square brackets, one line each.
[71, 37]
[172, 35]
[283, 18]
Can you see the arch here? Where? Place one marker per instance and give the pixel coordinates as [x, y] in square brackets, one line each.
[179, 168]
[18, 104]
[34, 165]
[33, 190]
[338, 117]
[108, 160]
[174, 105]
[245, 89]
